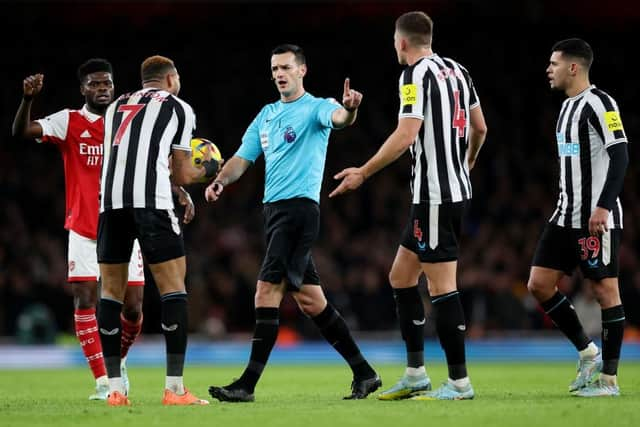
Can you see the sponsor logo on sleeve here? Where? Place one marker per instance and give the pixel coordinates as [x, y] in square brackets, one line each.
[408, 94]
[612, 120]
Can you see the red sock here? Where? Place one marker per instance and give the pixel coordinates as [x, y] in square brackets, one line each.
[87, 333]
[130, 330]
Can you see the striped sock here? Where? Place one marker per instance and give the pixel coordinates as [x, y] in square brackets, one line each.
[130, 331]
[86, 326]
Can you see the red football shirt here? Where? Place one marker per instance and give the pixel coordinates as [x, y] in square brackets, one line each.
[78, 134]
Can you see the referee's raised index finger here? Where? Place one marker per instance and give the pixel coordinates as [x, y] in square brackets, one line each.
[346, 85]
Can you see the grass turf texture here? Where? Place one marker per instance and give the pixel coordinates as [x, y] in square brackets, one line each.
[507, 394]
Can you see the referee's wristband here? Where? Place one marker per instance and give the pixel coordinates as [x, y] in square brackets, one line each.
[210, 168]
[27, 97]
[351, 110]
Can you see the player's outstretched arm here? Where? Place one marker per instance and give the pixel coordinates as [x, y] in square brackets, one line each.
[477, 135]
[231, 172]
[22, 124]
[351, 100]
[396, 144]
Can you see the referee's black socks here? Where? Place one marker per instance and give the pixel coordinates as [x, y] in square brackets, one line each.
[334, 329]
[450, 326]
[559, 308]
[264, 338]
[411, 317]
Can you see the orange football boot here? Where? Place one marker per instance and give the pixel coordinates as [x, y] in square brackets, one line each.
[171, 398]
[117, 399]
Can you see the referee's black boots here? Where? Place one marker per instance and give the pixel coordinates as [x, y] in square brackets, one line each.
[362, 387]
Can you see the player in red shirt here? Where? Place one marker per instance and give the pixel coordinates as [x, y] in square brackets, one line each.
[79, 134]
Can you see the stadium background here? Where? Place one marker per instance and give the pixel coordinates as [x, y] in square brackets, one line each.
[222, 52]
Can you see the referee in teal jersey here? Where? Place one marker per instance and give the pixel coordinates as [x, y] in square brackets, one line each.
[292, 134]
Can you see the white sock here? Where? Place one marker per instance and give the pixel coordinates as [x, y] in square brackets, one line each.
[102, 381]
[115, 384]
[174, 384]
[590, 352]
[460, 383]
[416, 372]
[609, 379]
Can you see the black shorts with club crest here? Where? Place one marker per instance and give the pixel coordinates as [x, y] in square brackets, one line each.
[291, 228]
[157, 230]
[564, 249]
[433, 231]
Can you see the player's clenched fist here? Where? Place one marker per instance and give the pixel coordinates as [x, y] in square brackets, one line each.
[32, 85]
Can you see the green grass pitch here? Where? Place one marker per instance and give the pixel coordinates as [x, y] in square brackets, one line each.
[507, 394]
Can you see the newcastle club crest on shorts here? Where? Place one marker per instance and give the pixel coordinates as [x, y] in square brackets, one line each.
[289, 135]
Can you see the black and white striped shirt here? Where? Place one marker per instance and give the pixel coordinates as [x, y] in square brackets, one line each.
[141, 129]
[588, 124]
[440, 92]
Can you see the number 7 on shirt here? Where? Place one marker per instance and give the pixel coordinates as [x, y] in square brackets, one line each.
[129, 112]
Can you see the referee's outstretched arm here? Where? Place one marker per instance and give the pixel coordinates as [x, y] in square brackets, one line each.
[231, 172]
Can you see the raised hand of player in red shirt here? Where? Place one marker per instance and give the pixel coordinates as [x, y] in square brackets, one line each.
[32, 85]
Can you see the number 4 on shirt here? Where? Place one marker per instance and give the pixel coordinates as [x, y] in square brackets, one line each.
[459, 116]
[129, 112]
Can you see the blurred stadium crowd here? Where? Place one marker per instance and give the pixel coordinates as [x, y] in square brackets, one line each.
[222, 52]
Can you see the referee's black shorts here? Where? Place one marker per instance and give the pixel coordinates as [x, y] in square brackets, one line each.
[291, 228]
[433, 231]
[157, 230]
[564, 249]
